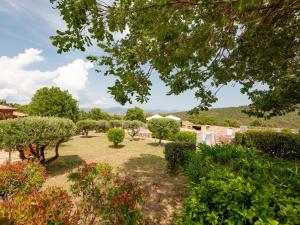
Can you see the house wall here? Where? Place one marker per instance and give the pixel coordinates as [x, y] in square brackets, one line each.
[6, 114]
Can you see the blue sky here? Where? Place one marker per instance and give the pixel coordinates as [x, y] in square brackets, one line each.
[28, 61]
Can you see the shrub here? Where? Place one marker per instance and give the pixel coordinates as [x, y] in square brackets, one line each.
[51, 206]
[273, 143]
[116, 135]
[177, 154]
[231, 123]
[286, 131]
[185, 136]
[107, 195]
[239, 138]
[41, 132]
[163, 128]
[20, 177]
[246, 188]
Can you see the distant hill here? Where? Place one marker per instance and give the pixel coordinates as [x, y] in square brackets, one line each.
[122, 111]
[290, 120]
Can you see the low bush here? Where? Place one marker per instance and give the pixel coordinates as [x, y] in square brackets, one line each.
[107, 195]
[286, 131]
[20, 177]
[87, 125]
[246, 188]
[51, 206]
[185, 136]
[177, 155]
[116, 135]
[271, 142]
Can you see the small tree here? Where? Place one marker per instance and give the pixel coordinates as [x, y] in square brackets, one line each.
[135, 114]
[133, 127]
[116, 135]
[87, 125]
[163, 128]
[116, 123]
[103, 126]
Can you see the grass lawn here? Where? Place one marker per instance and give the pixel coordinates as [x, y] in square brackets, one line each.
[140, 159]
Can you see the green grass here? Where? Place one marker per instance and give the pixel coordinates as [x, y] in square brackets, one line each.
[140, 159]
[290, 120]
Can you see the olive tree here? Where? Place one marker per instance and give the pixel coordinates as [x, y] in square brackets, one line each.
[35, 134]
[87, 125]
[133, 127]
[163, 128]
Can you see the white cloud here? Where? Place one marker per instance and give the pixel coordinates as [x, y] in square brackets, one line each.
[100, 102]
[73, 76]
[18, 83]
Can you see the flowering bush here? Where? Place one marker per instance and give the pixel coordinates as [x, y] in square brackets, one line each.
[20, 177]
[104, 194]
[51, 206]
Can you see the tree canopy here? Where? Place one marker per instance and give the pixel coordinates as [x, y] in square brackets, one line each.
[54, 102]
[199, 45]
[135, 114]
[94, 114]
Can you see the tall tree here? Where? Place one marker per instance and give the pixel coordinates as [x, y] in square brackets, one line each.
[135, 114]
[54, 102]
[192, 44]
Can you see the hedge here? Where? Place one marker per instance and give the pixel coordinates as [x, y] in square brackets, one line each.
[240, 187]
[271, 142]
[185, 136]
[177, 154]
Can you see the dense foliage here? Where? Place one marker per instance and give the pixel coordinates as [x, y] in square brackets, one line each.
[116, 135]
[87, 125]
[235, 185]
[50, 206]
[105, 193]
[94, 114]
[54, 102]
[20, 178]
[199, 45]
[202, 119]
[163, 128]
[32, 135]
[185, 136]
[177, 155]
[274, 143]
[135, 114]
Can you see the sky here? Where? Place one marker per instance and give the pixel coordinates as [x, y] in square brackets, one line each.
[28, 62]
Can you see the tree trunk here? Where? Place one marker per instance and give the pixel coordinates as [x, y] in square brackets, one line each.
[9, 156]
[159, 141]
[43, 160]
[56, 152]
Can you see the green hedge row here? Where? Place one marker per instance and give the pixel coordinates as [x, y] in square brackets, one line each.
[271, 142]
[177, 154]
[237, 185]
